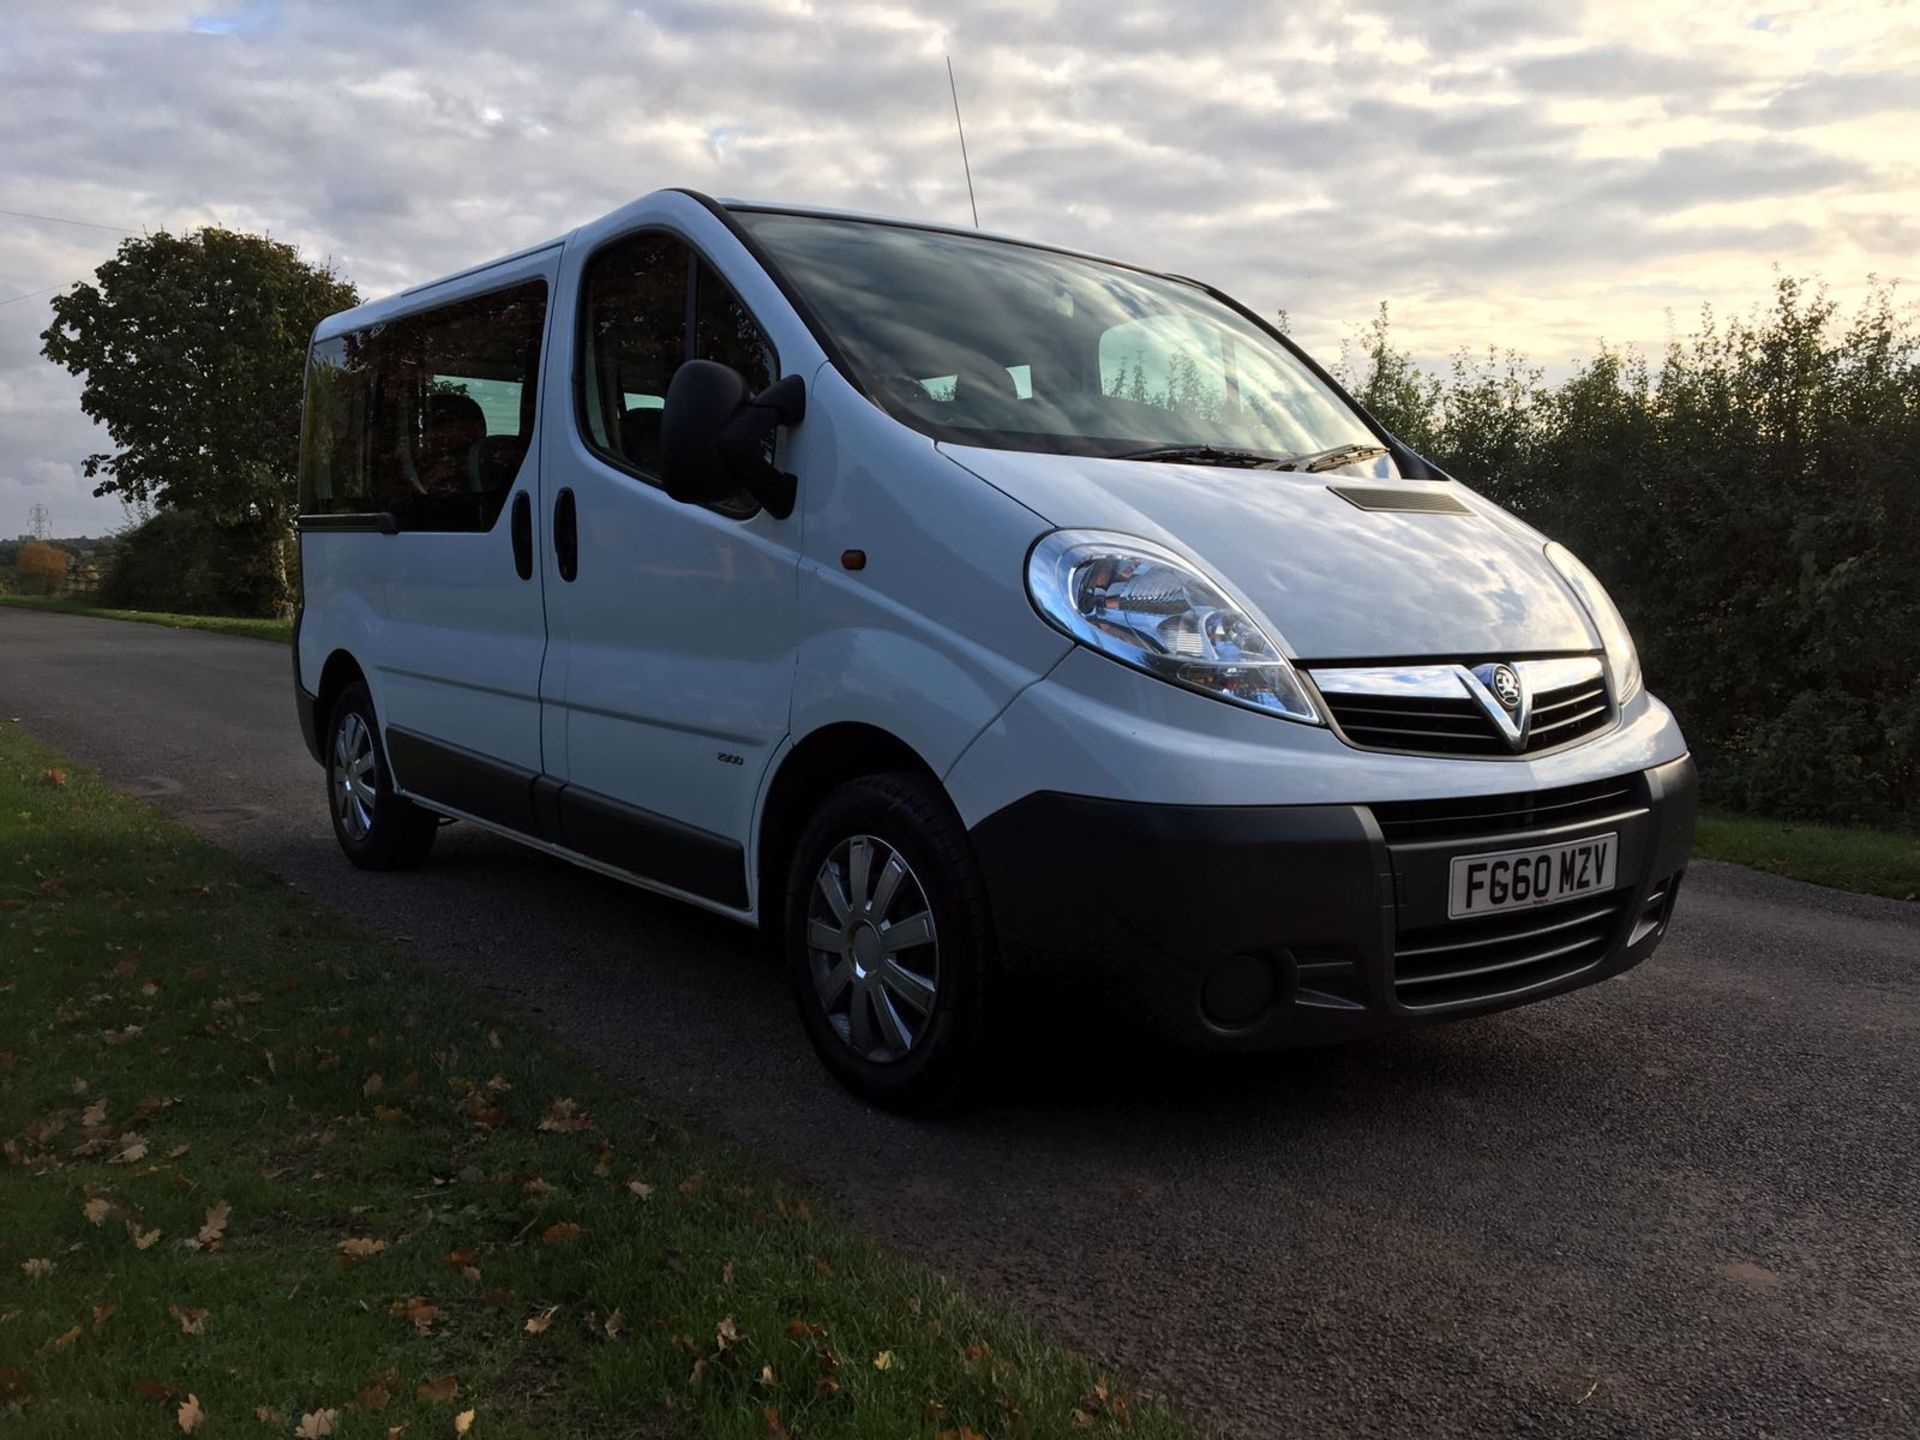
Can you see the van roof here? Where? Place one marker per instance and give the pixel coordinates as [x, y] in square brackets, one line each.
[376, 310]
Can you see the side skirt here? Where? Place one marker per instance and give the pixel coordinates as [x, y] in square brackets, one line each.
[602, 834]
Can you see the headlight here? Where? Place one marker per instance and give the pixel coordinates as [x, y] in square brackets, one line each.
[1622, 659]
[1146, 607]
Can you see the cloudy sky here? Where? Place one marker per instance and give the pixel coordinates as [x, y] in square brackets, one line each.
[1507, 173]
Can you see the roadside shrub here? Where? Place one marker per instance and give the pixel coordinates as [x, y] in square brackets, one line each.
[181, 560]
[42, 568]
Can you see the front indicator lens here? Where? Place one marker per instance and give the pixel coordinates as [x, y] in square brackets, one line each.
[1146, 607]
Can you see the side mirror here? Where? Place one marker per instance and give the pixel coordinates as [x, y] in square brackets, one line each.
[713, 436]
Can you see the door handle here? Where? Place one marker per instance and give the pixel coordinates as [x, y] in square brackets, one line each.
[523, 535]
[566, 535]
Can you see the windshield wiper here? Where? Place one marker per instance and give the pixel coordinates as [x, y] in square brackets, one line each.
[1330, 459]
[1204, 455]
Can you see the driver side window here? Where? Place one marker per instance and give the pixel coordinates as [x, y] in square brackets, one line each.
[650, 304]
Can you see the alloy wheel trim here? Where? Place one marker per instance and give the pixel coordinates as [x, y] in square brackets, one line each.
[873, 950]
[355, 774]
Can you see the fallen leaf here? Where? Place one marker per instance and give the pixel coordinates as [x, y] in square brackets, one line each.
[37, 1268]
[97, 1210]
[460, 1259]
[372, 1086]
[417, 1310]
[561, 1234]
[101, 1315]
[564, 1117]
[215, 1229]
[54, 776]
[361, 1249]
[317, 1425]
[884, 1360]
[379, 1394]
[192, 1322]
[267, 1415]
[614, 1323]
[645, 1192]
[1080, 1420]
[94, 1116]
[463, 1422]
[493, 1040]
[141, 1241]
[537, 1324]
[191, 1414]
[775, 1430]
[135, 1150]
[64, 1340]
[439, 1392]
[725, 1335]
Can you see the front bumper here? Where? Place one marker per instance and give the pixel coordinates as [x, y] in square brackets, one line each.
[1261, 927]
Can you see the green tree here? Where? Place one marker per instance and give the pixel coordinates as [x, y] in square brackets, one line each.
[192, 348]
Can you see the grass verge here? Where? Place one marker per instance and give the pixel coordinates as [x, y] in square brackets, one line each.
[1872, 862]
[280, 630]
[264, 1176]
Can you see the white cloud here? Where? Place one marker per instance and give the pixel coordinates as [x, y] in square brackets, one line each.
[1534, 175]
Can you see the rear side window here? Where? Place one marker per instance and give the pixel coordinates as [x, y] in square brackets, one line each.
[427, 418]
[649, 304]
[333, 431]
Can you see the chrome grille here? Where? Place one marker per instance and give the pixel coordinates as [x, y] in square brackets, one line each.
[1568, 713]
[1439, 709]
[1436, 726]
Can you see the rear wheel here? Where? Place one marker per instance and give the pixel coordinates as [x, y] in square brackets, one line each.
[376, 828]
[889, 942]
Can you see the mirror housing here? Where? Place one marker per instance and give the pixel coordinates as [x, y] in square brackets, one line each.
[713, 436]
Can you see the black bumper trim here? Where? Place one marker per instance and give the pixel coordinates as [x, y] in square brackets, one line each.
[1144, 904]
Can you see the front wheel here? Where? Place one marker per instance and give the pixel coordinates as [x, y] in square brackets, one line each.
[889, 942]
[378, 829]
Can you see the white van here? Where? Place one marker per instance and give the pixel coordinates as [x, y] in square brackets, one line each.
[984, 619]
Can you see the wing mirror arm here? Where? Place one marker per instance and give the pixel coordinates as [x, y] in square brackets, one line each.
[713, 437]
[743, 443]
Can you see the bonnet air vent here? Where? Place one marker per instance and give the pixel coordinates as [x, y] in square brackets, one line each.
[1417, 502]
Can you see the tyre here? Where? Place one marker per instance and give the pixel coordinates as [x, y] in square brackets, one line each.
[889, 943]
[377, 829]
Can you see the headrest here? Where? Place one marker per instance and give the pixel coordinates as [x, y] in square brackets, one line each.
[453, 411]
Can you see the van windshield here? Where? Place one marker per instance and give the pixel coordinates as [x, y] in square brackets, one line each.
[988, 342]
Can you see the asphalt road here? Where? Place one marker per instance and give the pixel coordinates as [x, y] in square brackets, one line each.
[1686, 1202]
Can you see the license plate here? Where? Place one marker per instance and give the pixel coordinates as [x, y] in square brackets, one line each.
[1519, 879]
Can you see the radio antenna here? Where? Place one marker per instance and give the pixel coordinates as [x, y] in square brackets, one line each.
[954, 91]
